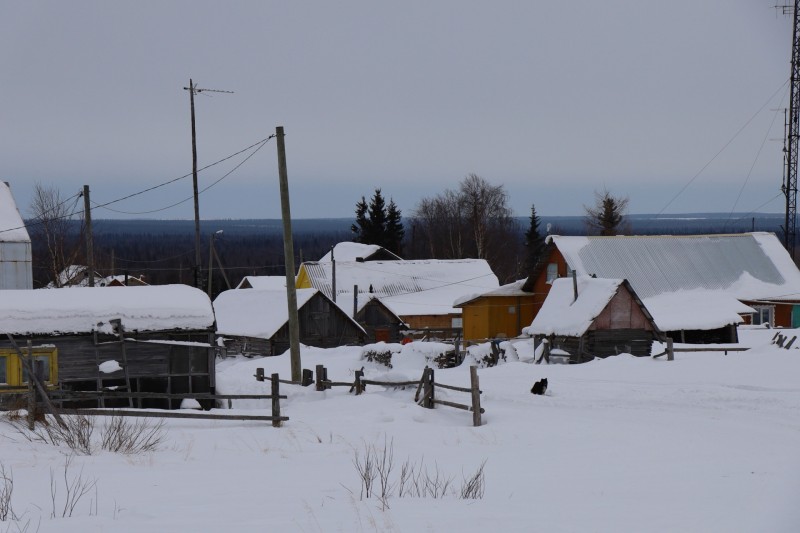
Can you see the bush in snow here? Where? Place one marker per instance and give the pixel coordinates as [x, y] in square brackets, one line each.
[119, 434]
[375, 465]
[380, 353]
[483, 355]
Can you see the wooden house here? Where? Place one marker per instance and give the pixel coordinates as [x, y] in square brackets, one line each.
[263, 282]
[589, 317]
[143, 339]
[256, 321]
[16, 267]
[736, 278]
[379, 322]
[420, 292]
[499, 313]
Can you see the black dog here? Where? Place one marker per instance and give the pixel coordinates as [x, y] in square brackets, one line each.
[540, 387]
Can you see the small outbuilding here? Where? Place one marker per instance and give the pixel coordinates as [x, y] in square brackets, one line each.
[499, 313]
[589, 317]
[143, 339]
[16, 267]
[256, 321]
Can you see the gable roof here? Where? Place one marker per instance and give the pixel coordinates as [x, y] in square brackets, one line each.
[418, 287]
[86, 309]
[263, 282]
[562, 314]
[747, 266]
[259, 313]
[510, 289]
[353, 251]
[12, 227]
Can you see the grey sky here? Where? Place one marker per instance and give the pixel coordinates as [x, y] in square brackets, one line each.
[552, 99]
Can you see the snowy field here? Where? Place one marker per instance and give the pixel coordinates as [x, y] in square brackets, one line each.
[707, 442]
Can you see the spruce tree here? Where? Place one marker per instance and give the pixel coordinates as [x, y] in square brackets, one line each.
[377, 220]
[394, 229]
[534, 241]
[361, 227]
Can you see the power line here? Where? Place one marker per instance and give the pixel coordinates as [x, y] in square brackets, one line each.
[73, 213]
[723, 148]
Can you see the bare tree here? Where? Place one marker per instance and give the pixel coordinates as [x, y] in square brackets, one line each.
[52, 217]
[471, 221]
[607, 215]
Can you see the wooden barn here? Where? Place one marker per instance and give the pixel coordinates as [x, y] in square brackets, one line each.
[499, 313]
[589, 317]
[256, 321]
[379, 322]
[143, 339]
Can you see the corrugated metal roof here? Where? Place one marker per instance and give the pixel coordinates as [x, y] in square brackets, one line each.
[748, 265]
[408, 287]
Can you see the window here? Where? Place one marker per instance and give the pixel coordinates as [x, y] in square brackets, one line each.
[14, 373]
[552, 272]
[456, 322]
[41, 365]
[763, 315]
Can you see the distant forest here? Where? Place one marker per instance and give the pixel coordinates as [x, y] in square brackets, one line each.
[163, 250]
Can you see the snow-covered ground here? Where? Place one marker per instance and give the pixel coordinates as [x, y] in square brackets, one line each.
[708, 442]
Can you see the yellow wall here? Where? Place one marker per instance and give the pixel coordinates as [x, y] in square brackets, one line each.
[498, 316]
[303, 281]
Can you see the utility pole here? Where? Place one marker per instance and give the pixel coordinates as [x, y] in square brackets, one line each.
[792, 135]
[192, 91]
[288, 257]
[87, 216]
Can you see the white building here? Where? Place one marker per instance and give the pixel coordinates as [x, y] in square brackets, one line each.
[16, 269]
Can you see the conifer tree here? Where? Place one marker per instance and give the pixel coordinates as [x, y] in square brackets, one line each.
[394, 229]
[534, 241]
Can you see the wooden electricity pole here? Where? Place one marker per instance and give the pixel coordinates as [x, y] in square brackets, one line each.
[87, 208]
[192, 90]
[288, 254]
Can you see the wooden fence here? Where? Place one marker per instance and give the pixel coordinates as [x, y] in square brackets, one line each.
[426, 387]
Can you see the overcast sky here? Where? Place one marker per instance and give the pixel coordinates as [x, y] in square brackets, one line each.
[554, 100]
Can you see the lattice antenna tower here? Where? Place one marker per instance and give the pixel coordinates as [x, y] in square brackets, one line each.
[789, 186]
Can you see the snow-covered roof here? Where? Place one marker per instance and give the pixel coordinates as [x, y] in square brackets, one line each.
[695, 310]
[562, 314]
[747, 266]
[351, 251]
[12, 228]
[258, 313]
[419, 287]
[85, 309]
[263, 282]
[510, 289]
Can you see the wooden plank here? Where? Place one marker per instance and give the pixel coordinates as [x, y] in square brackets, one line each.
[167, 395]
[390, 383]
[451, 387]
[456, 405]
[164, 414]
[276, 403]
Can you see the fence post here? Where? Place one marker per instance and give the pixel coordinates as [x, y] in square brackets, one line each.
[476, 396]
[427, 390]
[31, 394]
[670, 350]
[276, 402]
[359, 387]
[259, 374]
[308, 377]
[320, 372]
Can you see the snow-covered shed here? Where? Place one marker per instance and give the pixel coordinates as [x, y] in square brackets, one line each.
[723, 271]
[16, 267]
[421, 292]
[590, 317]
[378, 320]
[256, 321]
[168, 334]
